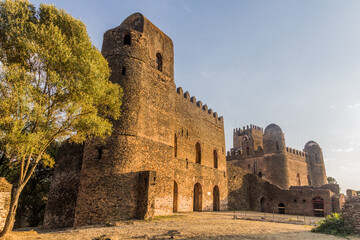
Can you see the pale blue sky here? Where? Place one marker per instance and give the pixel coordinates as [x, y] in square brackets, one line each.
[293, 63]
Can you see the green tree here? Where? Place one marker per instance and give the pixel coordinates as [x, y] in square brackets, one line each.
[53, 85]
[331, 180]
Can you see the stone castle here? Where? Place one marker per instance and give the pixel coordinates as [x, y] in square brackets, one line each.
[167, 152]
[265, 154]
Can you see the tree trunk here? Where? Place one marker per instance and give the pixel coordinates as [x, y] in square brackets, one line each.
[10, 219]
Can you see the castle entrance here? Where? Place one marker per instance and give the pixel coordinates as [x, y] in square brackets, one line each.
[318, 205]
[281, 208]
[262, 204]
[216, 199]
[197, 198]
[175, 197]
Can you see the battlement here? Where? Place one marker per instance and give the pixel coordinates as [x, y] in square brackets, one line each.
[247, 129]
[199, 104]
[296, 152]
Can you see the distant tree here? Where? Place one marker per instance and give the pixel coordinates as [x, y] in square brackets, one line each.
[331, 180]
[53, 85]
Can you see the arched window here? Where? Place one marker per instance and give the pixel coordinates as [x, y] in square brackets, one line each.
[298, 179]
[277, 145]
[215, 159]
[247, 151]
[198, 153]
[127, 40]
[175, 146]
[260, 174]
[159, 62]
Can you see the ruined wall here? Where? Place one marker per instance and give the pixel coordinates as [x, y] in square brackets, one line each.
[249, 192]
[60, 207]
[351, 193]
[351, 213]
[5, 198]
[238, 188]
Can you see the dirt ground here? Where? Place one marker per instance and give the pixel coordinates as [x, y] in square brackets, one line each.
[205, 225]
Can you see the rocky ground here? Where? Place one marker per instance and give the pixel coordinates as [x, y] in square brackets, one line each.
[205, 225]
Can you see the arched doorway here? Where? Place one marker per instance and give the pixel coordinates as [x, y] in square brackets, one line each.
[318, 205]
[216, 199]
[281, 208]
[260, 174]
[197, 198]
[262, 204]
[175, 197]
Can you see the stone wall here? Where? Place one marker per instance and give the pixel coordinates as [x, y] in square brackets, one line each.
[5, 197]
[60, 207]
[351, 213]
[249, 192]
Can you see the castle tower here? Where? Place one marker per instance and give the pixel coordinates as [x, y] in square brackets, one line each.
[316, 167]
[112, 186]
[275, 161]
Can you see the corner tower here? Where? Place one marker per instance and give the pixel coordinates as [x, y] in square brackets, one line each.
[117, 172]
[275, 161]
[316, 166]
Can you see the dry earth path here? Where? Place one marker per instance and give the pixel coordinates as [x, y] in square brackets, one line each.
[204, 225]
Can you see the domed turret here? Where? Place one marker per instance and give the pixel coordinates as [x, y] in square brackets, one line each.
[275, 161]
[274, 141]
[316, 164]
[272, 128]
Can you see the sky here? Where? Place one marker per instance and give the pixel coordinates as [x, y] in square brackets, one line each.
[295, 63]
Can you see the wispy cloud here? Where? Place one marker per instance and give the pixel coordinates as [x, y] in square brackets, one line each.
[337, 150]
[349, 149]
[186, 7]
[343, 150]
[332, 106]
[205, 74]
[354, 106]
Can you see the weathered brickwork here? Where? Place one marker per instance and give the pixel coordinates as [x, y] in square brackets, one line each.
[265, 154]
[249, 192]
[5, 197]
[351, 213]
[60, 207]
[167, 151]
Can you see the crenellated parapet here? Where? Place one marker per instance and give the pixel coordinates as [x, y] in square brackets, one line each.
[247, 129]
[199, 104]
[296, 152]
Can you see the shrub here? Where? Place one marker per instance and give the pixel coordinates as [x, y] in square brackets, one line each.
[333, 224]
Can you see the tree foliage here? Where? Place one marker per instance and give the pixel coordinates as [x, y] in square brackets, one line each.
[53, 85]
[331, 180]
